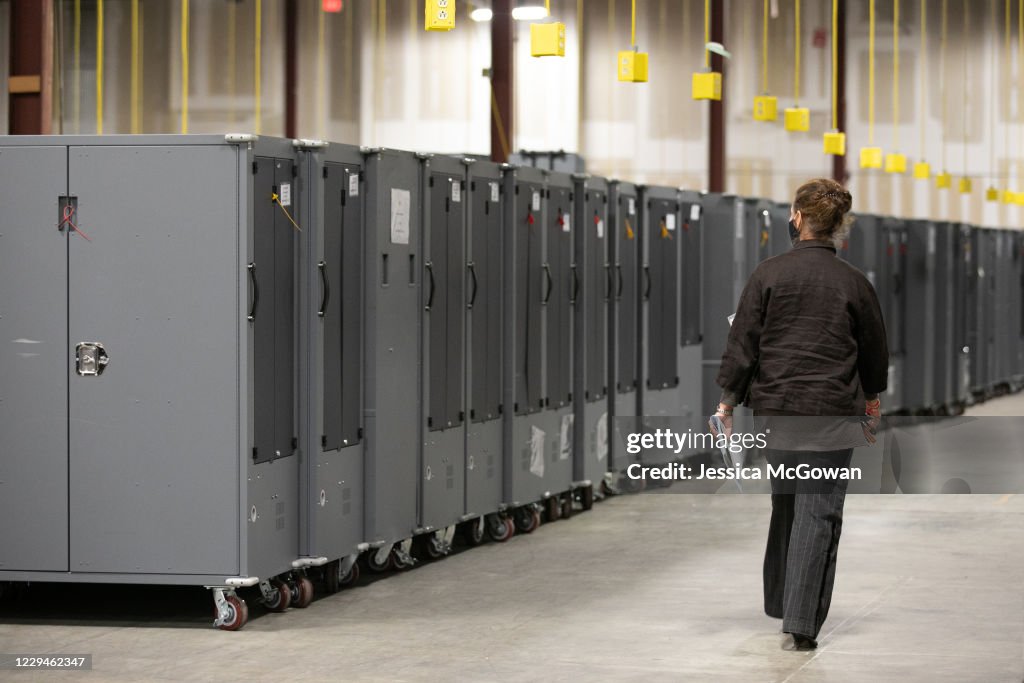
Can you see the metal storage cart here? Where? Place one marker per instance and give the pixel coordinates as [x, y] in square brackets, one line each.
[590, 324]
[148, 420]
[484, 354]
[331, 359]
[670, 309]
[537, 336]
[442, 467]
[624, 324]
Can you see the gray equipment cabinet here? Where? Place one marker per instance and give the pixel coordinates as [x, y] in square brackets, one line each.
[963, 351]
[980, 312]
[590, 351]
[779, 228]
[670, 314]
[393, 269]
[892, 293]
[148, 413]
[485, 199]
[624, 325]
[922, 316]
[537, 335]
[331, 361]
[442, 468]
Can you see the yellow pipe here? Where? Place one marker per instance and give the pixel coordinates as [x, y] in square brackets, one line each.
[942, 74]
[99, 67]
[764, 50]
[924, 77]
[76, 88]
[257, 76]
[184, 66]
[896, 74]
[871, 73]
[135, 68]
[835, 64]
[632, 37]
[707, 32]
[796, 58]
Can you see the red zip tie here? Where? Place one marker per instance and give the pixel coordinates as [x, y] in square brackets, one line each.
[69, 211]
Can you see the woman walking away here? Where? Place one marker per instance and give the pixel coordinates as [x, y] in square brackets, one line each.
[808, 340]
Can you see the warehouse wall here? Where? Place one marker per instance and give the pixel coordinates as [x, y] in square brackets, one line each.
[370, 75]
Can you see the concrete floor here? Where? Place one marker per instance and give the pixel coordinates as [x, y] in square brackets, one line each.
[644, 588]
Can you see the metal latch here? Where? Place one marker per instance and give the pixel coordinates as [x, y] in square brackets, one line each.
[92, 359]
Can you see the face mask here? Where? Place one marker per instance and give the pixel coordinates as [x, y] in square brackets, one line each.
[794, 233]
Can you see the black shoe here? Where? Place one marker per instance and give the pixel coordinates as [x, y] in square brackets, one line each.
[802, 642]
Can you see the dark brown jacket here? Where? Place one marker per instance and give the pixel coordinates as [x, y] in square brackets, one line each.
[808, 337]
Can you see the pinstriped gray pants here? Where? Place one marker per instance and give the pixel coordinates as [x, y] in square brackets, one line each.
[803, 542]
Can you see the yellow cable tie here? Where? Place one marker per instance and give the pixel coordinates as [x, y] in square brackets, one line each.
[277, 200]
[796, 60]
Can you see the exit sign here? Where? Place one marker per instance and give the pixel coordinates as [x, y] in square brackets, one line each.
[332, 5]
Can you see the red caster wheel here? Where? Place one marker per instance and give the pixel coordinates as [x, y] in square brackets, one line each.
[282, 597]
[238, 613]
[473, 532]
[375, 566]
[302, 593]
[499, 528]
[527, 520]
[587, 497]
[352, 576]
[552, 509]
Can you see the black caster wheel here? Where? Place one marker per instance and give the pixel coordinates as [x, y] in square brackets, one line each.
[302, 593]
[374, 566]
[332, 582]
[282, 599]
[401, 563]
[472, 532]
[527, 519]
[587, 497]
[351, 577]
[552, 509]
[566, 510]
[239, 613]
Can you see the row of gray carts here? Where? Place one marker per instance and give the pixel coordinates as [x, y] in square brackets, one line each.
[258, 365]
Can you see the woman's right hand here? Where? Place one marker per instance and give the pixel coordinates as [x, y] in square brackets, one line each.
[872, 417]
[724, 413]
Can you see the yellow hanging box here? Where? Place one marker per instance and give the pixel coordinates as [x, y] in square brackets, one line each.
[707, 85]
[965, 186]
[547, 40]
[633, 66]
[439, 15]
[922, 170]
[871, 157]
[895, 163]
[943, 181]
[1008, 197]
[991, 194]
[1018, 198]
[797, 119]
[766, 108]
[835, 143]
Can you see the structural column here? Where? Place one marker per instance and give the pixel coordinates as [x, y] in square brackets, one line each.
[839, 162]
[716, 129]
[502, 80]
[30, 85]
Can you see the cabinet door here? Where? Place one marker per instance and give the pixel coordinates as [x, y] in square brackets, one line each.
[154, 439]
[436, 298]
[627, 294]
[33, 360]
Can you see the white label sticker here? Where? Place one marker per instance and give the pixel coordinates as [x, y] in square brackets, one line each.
[456, 191]
[565, 440]
[632, 206]
[565, 223]
[670, 221]
[400, 201]
[537, 451]
[931, 241]
[536, 201]
[694, 213]
[353, 185]
[601, 437]
[286, 194]
[494, 193]
[600, 229]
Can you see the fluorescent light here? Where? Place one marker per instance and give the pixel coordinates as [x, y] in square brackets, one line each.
[529, 13]
[481, 14]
